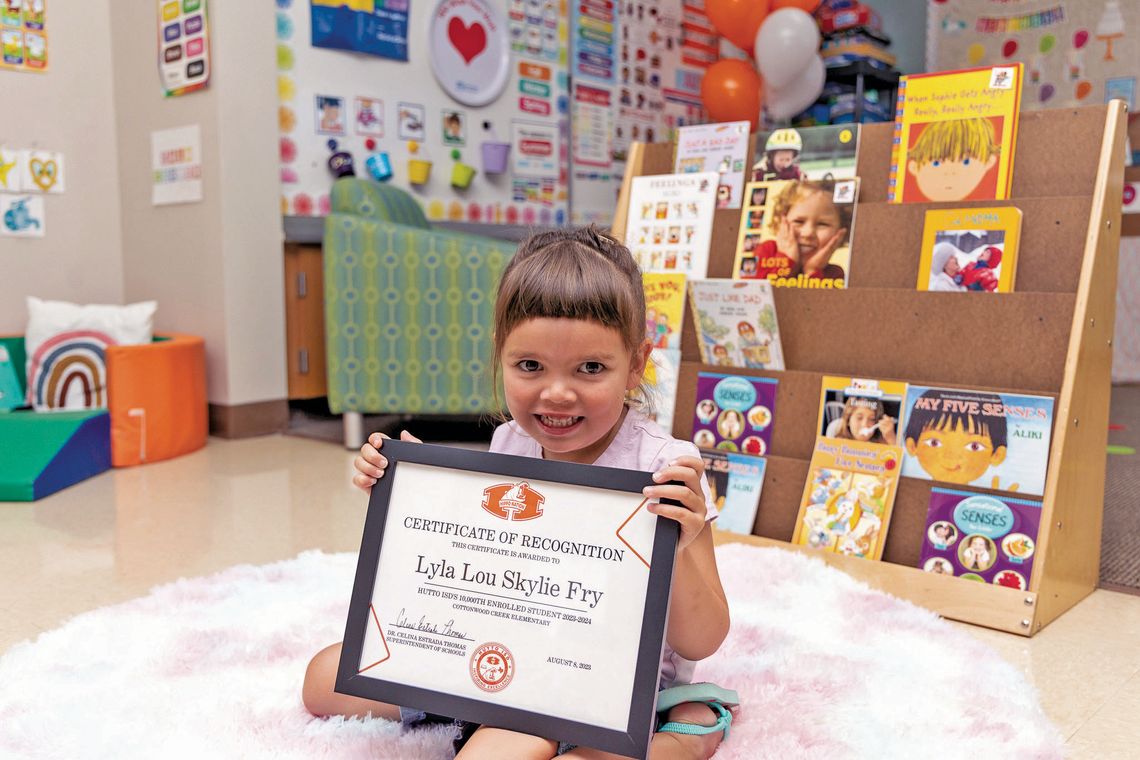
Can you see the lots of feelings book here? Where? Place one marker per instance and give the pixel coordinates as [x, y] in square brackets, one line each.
[722, 148]
[823, 152]
[954, 135]
[981, 537]
[736, 481]
[970, 250]
[664, 307]
[736, 323]
[797, 233]
[997, 441]
[669, 223]
[734, 413]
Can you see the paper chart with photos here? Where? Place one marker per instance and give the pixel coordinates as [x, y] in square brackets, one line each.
[669, 223]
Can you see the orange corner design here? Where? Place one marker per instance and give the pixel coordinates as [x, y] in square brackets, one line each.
[387, 651]
[627, 543]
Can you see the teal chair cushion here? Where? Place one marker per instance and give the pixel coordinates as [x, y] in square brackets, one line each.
[373, 200]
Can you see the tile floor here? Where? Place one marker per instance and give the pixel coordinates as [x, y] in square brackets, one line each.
[115, 536]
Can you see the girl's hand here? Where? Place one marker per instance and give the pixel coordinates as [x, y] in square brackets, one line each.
[370, 464]
[786, 241]
[887, 428]
[691, 516]
[819, 259]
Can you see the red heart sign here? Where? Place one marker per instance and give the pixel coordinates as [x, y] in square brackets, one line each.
[470, 41]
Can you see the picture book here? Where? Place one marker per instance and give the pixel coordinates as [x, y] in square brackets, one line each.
[858, 409]
[954, 135]
[848, 497]
[10, 395]
[970, 249]
[981, 537]
[661, 374]
[670, 222]
[824, 152]
[720, 148]
[797, 233]
[736, 481]
[734, 413]
[664, 307]
[998, 441]
[736, 323]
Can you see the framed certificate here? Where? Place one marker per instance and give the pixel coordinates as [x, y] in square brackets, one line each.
[521, 593]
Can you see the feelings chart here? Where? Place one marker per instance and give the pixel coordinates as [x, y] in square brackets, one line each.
[184, 45]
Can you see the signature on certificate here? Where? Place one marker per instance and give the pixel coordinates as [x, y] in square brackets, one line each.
[426, 626]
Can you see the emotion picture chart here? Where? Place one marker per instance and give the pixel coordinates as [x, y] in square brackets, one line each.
[183, 46]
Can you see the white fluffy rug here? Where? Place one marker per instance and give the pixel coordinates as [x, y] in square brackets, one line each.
[212, 668]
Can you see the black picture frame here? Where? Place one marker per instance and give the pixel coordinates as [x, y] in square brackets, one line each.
[641, 719]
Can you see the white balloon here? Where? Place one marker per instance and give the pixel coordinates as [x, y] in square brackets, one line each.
[785, 44]
[795, 97]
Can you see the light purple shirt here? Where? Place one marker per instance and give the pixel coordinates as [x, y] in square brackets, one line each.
[640, 444]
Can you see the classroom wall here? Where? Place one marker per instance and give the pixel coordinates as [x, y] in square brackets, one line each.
[215, 267]
[69, 109]
[904, 21]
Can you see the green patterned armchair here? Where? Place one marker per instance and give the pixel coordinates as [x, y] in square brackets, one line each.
[408, 309]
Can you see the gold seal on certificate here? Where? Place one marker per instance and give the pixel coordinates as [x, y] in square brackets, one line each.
[520, 592]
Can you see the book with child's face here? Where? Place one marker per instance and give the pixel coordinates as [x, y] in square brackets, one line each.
[720, 148]
[734, 413]
[797, 233]
[954, 135]
[861, 409]
[970, 250]
[735, 481]
[736, 323]
[988, 538]
[669, 223]
[829, 151]
[997, 441]
[848, 498]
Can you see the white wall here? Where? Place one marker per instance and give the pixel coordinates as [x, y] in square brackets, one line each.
[904, 21]
[69, 109]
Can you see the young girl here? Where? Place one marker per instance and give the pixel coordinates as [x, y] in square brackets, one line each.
[808, 227]
[570, 346]
[866, 419]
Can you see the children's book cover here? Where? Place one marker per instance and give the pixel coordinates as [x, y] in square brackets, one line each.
[670, 222]
[720, 148]
[954, 135]
[736, 323]
[664, 307]
[998, 441]
[736, 481]
[861, 409]
[848, 497]
[823, 152]
[981, 537]
[970, 249]
[661, 373]
[797, 233]
[734, 413]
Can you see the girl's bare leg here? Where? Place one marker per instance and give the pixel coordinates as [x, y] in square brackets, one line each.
[669, 746]
[498, 743]
[320, 699]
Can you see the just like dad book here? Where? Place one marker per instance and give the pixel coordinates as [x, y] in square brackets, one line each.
[970, 250]
[954, 135]
[797, 233]
[736, 323]
[997, 441]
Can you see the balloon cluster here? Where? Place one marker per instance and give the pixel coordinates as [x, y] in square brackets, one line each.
[788, 74]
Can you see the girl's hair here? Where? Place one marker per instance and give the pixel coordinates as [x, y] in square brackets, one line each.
[955, 140]
[800, 188]
[856, 402]
[571, 273]
[928, 413]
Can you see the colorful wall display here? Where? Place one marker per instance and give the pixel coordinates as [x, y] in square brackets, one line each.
[23, 35]
[1076, 52]
[374, 27]
[183, 46]
[176, 165]
[469, 52]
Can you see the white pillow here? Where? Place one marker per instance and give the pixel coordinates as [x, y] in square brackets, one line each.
[66, 345]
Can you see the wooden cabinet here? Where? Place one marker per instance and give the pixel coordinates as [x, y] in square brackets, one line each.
[305, 321]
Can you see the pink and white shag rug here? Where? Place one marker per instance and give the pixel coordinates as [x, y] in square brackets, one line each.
[212, 667]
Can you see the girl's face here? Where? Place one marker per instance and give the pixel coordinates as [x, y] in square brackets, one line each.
[814, 220]
[565, 382]
[978, 544]
[954, 454]
[782, 159]
[861, 418]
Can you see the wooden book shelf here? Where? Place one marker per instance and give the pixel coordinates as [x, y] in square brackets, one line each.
[1053, 336]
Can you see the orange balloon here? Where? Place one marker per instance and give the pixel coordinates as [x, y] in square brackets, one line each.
[737, 20]
[730, 91]
[803, 5]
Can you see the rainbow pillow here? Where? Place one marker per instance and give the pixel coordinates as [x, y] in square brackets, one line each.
[66, 347]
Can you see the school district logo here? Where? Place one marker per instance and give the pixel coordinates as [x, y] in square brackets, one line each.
[513, 501]
[492, 667]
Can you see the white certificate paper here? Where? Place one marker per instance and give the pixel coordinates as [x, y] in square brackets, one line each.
[509, 596]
